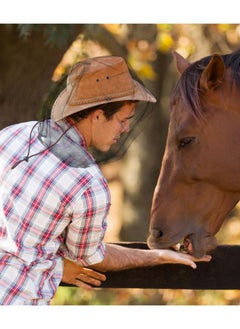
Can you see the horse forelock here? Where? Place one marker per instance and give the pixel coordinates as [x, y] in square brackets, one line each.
[187, 87]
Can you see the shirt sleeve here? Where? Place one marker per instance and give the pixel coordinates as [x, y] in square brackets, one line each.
[85, 234]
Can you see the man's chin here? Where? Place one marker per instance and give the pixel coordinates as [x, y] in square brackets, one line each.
[104, 149]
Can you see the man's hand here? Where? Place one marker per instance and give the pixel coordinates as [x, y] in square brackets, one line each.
[80, 276]
[175, 257]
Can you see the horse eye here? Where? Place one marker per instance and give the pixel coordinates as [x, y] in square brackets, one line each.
[183, 142]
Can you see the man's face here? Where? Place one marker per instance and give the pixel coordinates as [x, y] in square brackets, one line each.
[107, 132]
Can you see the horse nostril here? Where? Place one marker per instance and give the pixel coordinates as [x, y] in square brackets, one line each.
[157, 233]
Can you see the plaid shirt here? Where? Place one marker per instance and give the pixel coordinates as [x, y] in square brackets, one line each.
[48, 210]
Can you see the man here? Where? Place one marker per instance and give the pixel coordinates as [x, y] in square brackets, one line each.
[54, 200]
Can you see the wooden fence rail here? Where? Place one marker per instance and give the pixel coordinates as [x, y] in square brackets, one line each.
[223, 272]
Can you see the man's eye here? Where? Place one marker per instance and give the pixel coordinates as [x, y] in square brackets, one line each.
[183, 142]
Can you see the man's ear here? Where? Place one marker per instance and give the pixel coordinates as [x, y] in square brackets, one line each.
[97, 115]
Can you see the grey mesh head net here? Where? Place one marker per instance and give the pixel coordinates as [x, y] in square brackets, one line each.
[60, 137]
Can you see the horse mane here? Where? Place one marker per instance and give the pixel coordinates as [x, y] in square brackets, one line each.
[187, 87]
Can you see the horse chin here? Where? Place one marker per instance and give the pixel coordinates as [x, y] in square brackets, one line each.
[198, 246]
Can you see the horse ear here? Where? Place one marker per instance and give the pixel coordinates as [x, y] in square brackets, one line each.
[181, 63]
[212, 75]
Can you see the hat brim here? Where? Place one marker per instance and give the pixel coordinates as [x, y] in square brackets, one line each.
[61, 109]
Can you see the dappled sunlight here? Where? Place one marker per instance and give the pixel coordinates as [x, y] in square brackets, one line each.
[142, 45]
[148, 48]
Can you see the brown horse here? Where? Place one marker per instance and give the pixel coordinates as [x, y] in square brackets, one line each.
[199, 182]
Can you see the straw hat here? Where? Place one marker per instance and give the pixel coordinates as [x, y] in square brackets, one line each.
[97, 81]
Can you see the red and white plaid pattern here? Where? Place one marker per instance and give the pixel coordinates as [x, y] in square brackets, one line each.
[48, 210]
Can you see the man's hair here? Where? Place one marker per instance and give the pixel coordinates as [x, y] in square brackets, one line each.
[109, 110]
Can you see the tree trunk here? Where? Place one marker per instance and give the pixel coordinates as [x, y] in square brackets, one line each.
[26, 68]
[143, 161]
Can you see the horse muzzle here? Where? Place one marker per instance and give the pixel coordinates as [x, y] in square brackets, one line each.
[195, 244]
[198, 245]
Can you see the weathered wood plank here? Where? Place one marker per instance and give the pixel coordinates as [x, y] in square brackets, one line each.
[223, 272]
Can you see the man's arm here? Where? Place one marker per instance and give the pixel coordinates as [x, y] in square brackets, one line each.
[121, 258]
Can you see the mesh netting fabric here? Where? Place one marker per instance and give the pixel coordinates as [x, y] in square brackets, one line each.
[118, 150]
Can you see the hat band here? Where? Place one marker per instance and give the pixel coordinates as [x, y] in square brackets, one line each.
[102, 98]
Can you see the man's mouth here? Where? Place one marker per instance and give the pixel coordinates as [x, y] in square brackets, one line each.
[116, 139]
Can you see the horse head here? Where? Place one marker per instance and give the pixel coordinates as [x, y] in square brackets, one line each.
[199, 180]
